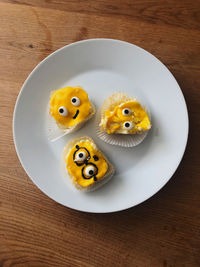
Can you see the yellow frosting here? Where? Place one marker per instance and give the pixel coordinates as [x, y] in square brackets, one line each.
[113, 120]
[62, 98]
[100, 165]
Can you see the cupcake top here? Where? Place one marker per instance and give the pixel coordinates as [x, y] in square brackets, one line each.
[70, 106]
[127, 117]
[85, 163]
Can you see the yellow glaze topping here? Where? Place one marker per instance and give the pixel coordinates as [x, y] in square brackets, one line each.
[70, 105]
[86, 164]
[126, 118]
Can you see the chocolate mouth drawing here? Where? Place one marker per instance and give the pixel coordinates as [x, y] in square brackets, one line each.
[77, 112]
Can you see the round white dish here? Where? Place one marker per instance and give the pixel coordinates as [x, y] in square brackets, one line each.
[103, 67]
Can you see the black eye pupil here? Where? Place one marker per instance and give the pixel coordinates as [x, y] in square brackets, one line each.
[91, 172]
[126, 111]
[80, 155]
[61, 110]
[73, 100]
[127, 124]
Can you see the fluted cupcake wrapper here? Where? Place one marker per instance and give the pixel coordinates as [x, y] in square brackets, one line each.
[53, 131]
[124, 140]
[56, 130]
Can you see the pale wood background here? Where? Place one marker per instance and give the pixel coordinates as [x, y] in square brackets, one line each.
[36, 231]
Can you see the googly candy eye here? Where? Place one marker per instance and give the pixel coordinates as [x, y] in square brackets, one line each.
[126, 111]
[90, 170]
[128, 125]
[63, 111]
[80, 156]
[75, 101]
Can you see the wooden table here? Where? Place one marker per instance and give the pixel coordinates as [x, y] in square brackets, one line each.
[35, 230]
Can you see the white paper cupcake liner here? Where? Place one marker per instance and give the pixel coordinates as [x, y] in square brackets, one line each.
[124, 140]
[54, 132]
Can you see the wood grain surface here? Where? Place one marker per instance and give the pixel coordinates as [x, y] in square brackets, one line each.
[35, 230]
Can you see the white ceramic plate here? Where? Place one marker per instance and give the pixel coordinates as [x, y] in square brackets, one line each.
[102, 67]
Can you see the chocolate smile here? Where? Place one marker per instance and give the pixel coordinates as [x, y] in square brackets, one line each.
[77, 112]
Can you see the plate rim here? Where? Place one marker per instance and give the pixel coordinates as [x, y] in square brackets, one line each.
[78, 43]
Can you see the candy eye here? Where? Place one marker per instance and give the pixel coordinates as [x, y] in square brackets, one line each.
[75, 101]
[80, 156]
[63, 111]
[128, 125]
[90, 170]
[126, 111]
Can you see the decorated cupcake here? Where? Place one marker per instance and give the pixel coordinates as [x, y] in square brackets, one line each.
[69, 109]
[86, 165]
[123, 121]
